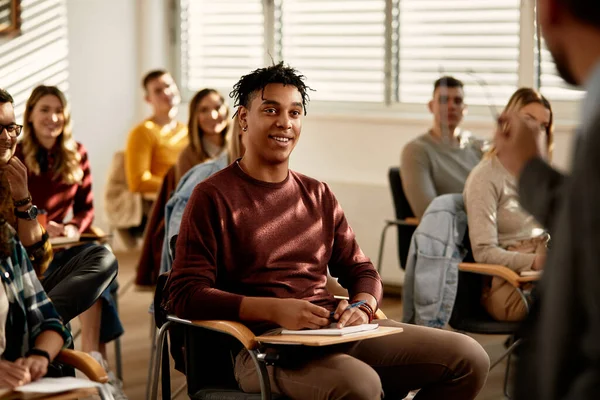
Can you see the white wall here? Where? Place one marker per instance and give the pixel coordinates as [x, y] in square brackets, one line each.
[110, 49]
[103, 81]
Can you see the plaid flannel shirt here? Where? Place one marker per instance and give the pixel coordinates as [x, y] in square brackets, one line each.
[31, 312]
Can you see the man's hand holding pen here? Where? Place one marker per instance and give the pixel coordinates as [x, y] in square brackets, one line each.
[347, 314]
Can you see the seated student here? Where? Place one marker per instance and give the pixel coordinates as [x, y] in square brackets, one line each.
[29, 344]
[31, 331]
[208, 128]
[501, 232]
[59, 181]
[155, 144]
[255, 243]
[207, 131]
[439, 161]
[177, 203]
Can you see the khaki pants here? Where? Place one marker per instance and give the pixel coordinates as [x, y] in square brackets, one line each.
[500, 299]
[444, 365]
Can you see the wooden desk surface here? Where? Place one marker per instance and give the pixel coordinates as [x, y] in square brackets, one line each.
[84, 238]
[316, 341]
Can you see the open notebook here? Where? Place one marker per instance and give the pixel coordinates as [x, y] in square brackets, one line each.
[47, 386]
[331, 330]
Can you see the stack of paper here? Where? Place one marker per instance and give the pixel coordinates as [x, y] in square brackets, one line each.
[331, 330]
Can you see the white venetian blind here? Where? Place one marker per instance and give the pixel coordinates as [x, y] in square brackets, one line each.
[220, 41]
[38, 55]
[551, 84]
[443, 37]
[339, 45]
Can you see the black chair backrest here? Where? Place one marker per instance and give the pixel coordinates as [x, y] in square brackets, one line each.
[468, 314]
[401, 205]
[173, 245]
[208, 355]
[403, 211]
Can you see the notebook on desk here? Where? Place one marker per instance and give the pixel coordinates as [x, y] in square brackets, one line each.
[332, 330]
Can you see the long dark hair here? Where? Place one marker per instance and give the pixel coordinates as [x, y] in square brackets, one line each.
[6, 214]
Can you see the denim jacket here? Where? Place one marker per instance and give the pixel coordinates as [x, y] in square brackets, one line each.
[431, 278]
[176, 204]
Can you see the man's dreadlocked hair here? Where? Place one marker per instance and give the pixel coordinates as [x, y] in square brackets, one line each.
[258, 79]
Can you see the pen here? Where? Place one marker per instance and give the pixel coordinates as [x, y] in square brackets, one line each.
[353, 305]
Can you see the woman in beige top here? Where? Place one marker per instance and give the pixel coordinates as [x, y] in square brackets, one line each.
[501, 232]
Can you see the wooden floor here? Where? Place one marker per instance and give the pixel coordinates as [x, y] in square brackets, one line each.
[134, 303]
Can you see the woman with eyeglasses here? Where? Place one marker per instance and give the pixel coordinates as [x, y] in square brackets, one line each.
[59, 181]
[501, 232]
[208, 130]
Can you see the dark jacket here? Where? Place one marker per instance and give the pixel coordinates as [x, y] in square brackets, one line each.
[561, 356]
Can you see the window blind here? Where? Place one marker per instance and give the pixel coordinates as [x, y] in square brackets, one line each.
[339, 45]
[441, 37]
[220, 41]
[39, 54]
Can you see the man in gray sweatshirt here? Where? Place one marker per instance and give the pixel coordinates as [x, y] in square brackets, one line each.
[439, 161]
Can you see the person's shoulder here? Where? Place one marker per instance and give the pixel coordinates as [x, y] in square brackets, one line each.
[420, 145]
[467, 139]
[311, 185]
[484, 174]
[81, 149]
[220, 180]
[144, 128]
[199, 173]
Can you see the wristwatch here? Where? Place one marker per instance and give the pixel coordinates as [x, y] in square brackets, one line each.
[30, 214]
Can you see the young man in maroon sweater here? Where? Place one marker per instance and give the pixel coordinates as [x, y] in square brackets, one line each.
[255, 243]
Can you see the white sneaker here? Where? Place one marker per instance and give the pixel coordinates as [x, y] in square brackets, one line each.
[114, 384]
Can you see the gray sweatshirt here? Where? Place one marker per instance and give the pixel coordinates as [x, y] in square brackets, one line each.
[431, 168]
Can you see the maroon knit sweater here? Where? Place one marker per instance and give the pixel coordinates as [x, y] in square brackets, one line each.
[243, 237]
[57, 198]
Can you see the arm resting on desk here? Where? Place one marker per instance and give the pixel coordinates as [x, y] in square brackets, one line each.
[84, 363]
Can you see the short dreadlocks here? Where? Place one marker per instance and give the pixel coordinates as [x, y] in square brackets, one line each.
[244, 90]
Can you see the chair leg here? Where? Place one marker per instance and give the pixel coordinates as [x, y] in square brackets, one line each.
[507, 353]
[119, 360]
[506, 376]
[162, 334]
[381, 246]
[263, 376]
[151, 361]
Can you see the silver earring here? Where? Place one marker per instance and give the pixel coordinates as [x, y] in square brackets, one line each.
[245, 128]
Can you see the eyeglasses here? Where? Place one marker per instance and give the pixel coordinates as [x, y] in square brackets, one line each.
[13, 130]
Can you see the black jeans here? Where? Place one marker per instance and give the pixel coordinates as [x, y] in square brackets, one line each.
[77, 277]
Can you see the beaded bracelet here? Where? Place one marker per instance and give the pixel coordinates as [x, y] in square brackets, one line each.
[367, 310]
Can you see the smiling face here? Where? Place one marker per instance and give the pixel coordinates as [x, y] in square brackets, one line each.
[212, 114]
[274, 122]
[7, 143]
[47, 118]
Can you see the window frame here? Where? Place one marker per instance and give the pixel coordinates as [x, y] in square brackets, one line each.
[565, 112]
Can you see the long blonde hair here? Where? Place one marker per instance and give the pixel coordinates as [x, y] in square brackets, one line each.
[526, 96]
[235, 146]
[68, 159]
[195, 133]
